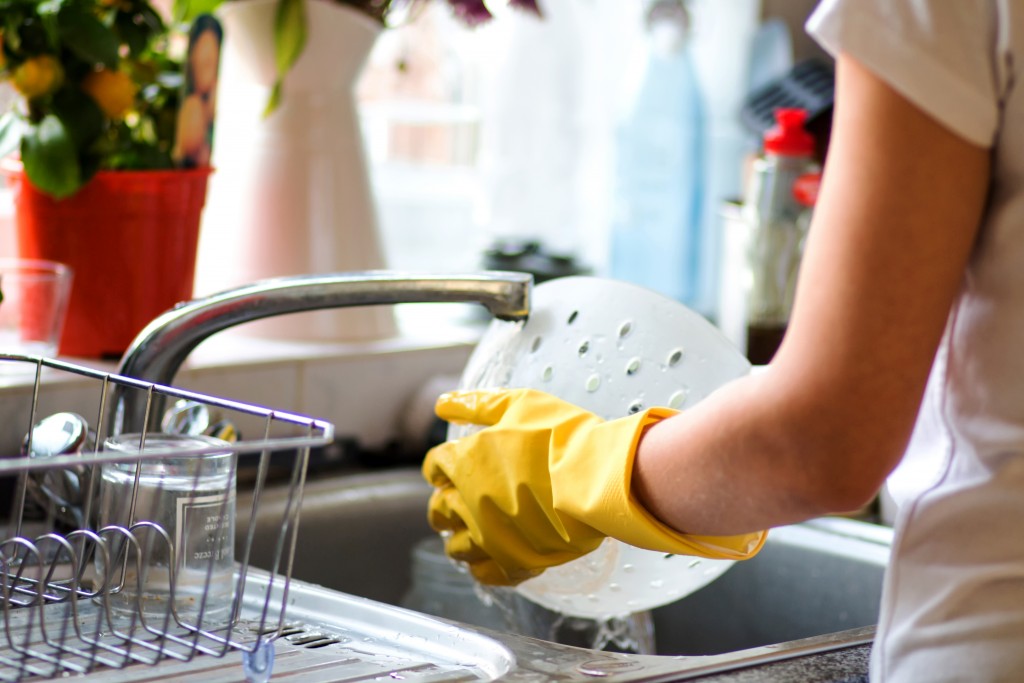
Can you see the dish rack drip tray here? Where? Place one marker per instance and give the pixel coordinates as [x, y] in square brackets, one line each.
[328, 636]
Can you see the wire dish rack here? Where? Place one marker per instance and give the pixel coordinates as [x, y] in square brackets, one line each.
[123, 546]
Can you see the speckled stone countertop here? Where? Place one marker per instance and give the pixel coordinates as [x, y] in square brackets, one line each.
[849, 665]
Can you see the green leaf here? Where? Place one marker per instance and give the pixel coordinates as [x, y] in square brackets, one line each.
[12, 38]
[138, 28]
[50, 160]
[187, 10]
[289, 33]
[48, 14]
[12, 127]
[82, 117]
[148, 16]
[135, 36]
[274, 101]
[50, 7]
[289, 42]
[87, 37]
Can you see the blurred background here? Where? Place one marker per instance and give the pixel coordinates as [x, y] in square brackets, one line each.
[501, 145]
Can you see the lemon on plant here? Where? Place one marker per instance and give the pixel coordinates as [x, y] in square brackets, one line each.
[114, 91]
[38, 76]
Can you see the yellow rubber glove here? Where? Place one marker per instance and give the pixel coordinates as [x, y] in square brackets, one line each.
[544, 484]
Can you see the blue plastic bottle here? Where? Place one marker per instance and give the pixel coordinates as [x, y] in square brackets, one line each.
[656, 224]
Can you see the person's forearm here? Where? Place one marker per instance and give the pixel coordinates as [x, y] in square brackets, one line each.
[901, 201]
[741, 461]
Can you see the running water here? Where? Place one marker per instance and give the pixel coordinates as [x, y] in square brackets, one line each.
[445, 589]
[632, 633]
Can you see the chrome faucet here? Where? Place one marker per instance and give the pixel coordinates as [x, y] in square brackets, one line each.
[159, 350]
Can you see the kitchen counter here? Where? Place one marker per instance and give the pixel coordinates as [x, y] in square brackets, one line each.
[366, 389]
[842, 666]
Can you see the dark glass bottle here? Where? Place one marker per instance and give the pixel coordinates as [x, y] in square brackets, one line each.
[778, 211]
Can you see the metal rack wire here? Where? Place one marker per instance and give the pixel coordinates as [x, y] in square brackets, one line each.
[112, 559]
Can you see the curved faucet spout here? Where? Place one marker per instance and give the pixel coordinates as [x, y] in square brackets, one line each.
[159, 350]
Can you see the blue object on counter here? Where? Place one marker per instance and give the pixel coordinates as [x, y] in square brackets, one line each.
[657, 208]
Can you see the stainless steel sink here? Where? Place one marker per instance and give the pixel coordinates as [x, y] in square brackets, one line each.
[815, 587]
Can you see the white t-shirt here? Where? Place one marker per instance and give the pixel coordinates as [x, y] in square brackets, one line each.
[953, 603]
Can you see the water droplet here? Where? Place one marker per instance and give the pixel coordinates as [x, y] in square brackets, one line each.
[657, 583]
[709, 572]
[614, 587]
[625, 328]
[602, 668]
[633, 366]
[592, 597]
[677, 399]
[572, 317]
[628, 568]
[593, 382]
[536, 344]
[608, 667]
[674, 357]
[547, 373]
[584, 347]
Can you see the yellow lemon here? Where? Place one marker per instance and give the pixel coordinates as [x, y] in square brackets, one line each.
[38, 76]
[112, 90]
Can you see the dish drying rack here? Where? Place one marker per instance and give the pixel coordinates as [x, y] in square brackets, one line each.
[63, 614]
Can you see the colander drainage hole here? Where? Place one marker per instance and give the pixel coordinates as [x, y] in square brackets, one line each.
[636, 406]
[572, 317]
[677, 398]
[584, 347]
[535, 345]
[625, 328]
[674, 357]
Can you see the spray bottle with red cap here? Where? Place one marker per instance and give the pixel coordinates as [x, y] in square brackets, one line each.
[782, 191]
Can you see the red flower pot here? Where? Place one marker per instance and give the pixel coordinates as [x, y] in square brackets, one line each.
[130, 238]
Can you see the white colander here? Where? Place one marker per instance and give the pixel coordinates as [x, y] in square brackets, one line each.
[612, 348]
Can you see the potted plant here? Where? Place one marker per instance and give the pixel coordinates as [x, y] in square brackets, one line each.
[101, 179]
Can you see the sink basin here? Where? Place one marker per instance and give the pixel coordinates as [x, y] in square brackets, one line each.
[814, 587]
[812, 592]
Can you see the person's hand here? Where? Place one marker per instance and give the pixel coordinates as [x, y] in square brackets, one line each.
[545, 483]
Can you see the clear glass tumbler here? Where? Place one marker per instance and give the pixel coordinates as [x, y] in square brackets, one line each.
[34, 295]
[169, 524]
